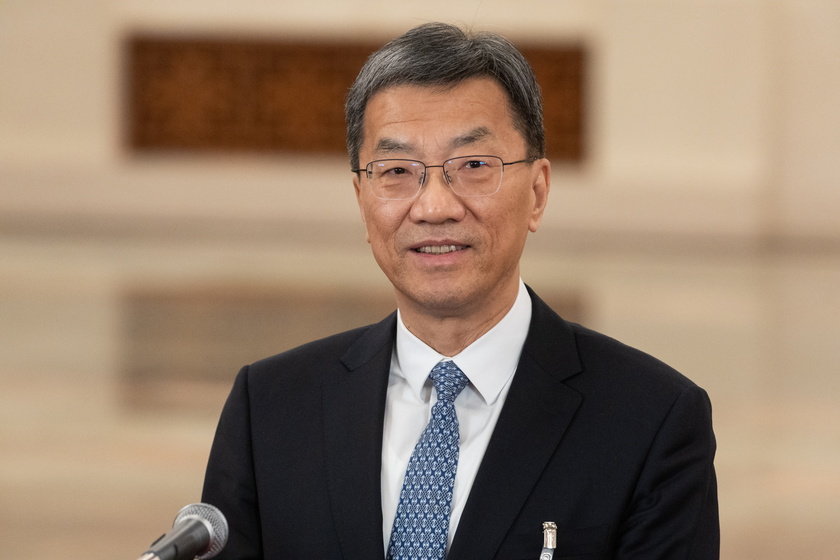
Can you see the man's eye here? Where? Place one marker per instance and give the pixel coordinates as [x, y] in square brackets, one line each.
[474, 164]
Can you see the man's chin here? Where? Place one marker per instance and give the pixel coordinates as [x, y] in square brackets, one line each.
[444, 301]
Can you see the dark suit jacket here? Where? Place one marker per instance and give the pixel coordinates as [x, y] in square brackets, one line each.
[609, 443]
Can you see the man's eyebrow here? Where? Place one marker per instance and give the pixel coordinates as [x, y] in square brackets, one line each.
[389, 145]
[471, 137]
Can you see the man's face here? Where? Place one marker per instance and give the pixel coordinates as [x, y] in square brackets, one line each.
[412, 239]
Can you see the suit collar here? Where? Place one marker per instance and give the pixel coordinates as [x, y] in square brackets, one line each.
[371, 343]
[551, 342]
[536, 414]
[353, 412]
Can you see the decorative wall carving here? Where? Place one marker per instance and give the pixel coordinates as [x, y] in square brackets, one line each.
[219, 94]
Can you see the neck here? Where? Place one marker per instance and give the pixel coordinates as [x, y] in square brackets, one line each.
[450, 332]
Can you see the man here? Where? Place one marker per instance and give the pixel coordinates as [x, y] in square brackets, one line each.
[345, 448]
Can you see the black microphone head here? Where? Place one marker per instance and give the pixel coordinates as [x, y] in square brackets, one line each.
[215, 519]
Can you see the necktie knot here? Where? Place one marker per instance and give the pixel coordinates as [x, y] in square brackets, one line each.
[449, 380]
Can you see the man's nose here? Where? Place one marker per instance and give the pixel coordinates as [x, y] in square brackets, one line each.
[437, 202]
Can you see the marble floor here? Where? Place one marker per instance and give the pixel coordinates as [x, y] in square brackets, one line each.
[84, 474]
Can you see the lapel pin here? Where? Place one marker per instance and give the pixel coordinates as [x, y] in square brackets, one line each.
[549, 540]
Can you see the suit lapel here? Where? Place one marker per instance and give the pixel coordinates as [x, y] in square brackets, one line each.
[353, 411]
[538, 409]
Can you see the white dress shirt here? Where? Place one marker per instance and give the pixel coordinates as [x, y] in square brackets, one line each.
[489, 363]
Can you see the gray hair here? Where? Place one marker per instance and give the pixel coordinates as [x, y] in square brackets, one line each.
[442, 55]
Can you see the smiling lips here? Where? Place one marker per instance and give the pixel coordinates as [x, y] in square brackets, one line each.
[440, 249]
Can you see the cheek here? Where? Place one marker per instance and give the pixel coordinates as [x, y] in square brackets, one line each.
[505, 215]
[508, 225]
[381, 223]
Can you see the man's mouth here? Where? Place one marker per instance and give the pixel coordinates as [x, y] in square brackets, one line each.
[440, 249]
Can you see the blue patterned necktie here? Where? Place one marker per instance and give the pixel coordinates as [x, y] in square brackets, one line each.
[421, 525]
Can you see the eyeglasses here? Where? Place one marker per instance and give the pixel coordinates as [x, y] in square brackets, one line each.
[398, 179]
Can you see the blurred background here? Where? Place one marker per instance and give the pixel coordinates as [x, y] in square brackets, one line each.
[155, 235]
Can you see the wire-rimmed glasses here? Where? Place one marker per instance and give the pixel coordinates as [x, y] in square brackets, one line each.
[398, 179]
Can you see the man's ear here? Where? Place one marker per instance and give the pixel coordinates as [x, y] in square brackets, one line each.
[541, 183]
[357, 187]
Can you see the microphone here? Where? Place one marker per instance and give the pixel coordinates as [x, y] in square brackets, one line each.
[199, 531]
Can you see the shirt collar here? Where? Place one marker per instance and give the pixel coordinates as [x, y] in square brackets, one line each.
[489, 362]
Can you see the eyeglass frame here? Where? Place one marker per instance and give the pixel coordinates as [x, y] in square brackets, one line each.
[368, 171]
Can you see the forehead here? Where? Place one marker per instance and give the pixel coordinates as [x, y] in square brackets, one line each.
[426, 119]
